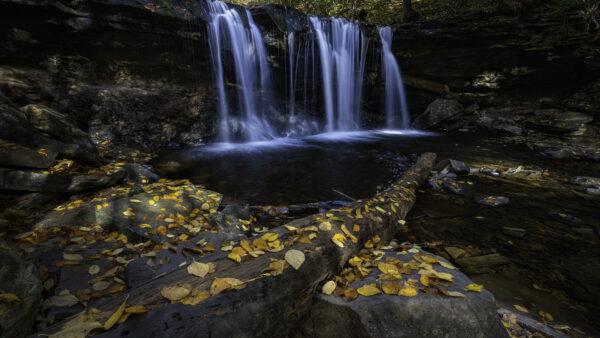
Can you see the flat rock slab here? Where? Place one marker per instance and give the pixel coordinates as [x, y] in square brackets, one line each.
[424, 315]
[22, 180]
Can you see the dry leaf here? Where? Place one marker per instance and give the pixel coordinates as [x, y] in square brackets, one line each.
[9, 297]
[196, 297]
[175, 293]
[520, 308]
[221, 284]
[295, 258]
[269, 236]
[276, 267]
[338, 239]
[94, 269]
[101, 285]
[325, 226]
[72, 257]
[391, 288]
[66, 300]
[447, 265]
[407, 291]
[350, 294]
[545, 315]
[112, 320]
[474, 287]
[456, 294]
[328, 288]
[198, 269]
[368, 290]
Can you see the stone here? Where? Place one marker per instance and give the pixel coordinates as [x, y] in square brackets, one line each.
[515, 232]
[140, 174]
[386, 315]
[21, 180]
[585, 181]
[440, 110]
[452, 166]
[19, 276]
[14, 155]
[482, 261]
[455, 252]
[57, 125]
[493, 201]
[556, 121]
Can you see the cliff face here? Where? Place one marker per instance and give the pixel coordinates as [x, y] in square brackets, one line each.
[139, 73]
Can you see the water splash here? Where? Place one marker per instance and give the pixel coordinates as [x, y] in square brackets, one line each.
[342, 51]
[395, 99]
[229, 33]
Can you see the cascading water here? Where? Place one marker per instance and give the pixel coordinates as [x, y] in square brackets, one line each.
[395, 99]
[342, 51]
[227, 32]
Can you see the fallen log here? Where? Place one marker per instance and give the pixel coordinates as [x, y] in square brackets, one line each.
[269, 304]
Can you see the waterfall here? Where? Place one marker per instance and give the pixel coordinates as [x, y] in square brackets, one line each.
[228, 32]
[395, 99]
[342, 52]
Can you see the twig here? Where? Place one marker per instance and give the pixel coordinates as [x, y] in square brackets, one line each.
[341, 193]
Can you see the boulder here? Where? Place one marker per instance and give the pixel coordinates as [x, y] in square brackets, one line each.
[14, 155]
[21, 180]
[390, 315]
[452, 166]
[439, 111]
[19, 277]
[57, 125]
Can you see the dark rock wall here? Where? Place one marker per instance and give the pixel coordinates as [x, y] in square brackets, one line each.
[140, 73]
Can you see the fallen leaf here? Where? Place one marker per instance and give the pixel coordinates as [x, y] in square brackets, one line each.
[295, 258]
[94, 269]
[136, 310]
[408, 291]
[356, 228]
[269, 236]
[447, 265]
[328, 288]
[196, 297]
[72, 257]
[456, 294]
[339, 239]
[545, 315]
[474, 287]
[521, 308]
[101, 285]
[66, 300]
[112, 320]
[9, 297]
[368, 290]
[175, 293]
[198, 269]
[276, 267]
[221, 284]
[391, 288]
[325, 226]
[350, 294]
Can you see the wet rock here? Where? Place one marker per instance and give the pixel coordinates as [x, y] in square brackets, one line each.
[482, 261]
[452, 166]
[21, 180]
[19, 156]
[455, 252]
[424, 315]
[585, 181]
[18, 276]
[226, 223]
[494, 201]
[515, 232]
[57, 125]
[446, 182]
[556, 121]
[140, 174]
[440, 110]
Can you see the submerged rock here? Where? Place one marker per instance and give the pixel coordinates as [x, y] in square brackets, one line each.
[440, 110]
[556, 121]
[494, 201]
[452, 166]
[20, 291]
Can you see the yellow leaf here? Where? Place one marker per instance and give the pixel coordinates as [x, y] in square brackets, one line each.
[356, 228]
[407, 291]
[368, 290]
[9, 297]
[290, 228]
[456, 294]
[269, 236]
[423, 258]
[339, 239]
[355, 261]
[221, 284]
[447, 265]
[174, 293]
[295, 258]
[144, 226]
[72, 257]
[128, 213]
[546, 315]
[388, 268]
[425, 280]
[350, 294]
[391, 288]
[114, 318]
[136, 310]
[276, 267]
[196, 297]
[474, 287]
[520, 308]
[325, 226]
[328, 288]
[198, 269]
